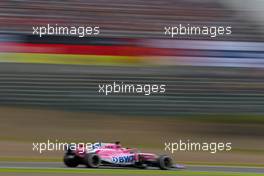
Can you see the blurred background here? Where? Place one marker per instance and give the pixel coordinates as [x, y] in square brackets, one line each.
[215, 86]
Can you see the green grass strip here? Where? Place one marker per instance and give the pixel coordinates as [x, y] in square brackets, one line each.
[72, 59]
[122, 172]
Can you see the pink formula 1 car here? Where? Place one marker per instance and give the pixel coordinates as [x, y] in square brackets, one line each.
[112, 154]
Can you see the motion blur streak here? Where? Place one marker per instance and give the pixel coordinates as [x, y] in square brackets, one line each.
[199, 91]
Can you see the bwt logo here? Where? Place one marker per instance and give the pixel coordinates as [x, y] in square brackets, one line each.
[123, 159]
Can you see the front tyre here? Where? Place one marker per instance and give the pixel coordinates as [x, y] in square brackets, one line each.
[70, 160]
[165, 162]
[92, 160]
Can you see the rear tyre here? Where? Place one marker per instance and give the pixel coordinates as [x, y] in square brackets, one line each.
[70, 160]
[92, 160]
[165, 162]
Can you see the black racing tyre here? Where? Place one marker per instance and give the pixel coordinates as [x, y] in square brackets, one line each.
[165, 162]
[92, 160]
[70, 160]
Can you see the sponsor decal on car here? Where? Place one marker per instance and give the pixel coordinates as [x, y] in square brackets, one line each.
[124, 159]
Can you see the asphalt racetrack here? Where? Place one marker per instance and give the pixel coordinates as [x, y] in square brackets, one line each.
[56, 166]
